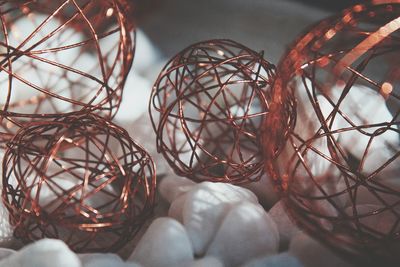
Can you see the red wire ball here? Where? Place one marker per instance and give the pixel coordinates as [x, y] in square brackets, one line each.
[339, 168]
[80, 179]
[207, 106]
[60, 56]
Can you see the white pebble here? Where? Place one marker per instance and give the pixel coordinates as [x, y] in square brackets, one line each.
[175, 210]
[280, 260]
[147, 55]
[313, 254]
[43, 253]
[174, 186]
[204, 262]
[286, 227]
[164, 244]
[205, 207]
[6, 252]
[246, 232]
[104, 260]
[135, 98]
[264, 190]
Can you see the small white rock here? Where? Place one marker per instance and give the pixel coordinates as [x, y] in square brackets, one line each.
[147, 54]
[280, 260]
[204, 262]
[264, 190]
[43, 253]
[174, 186]
[175, 210]
[286, 227]
[205, 208]
[164, 244]
[135, 98]
[246, 232]
[104, 260]
[6, 252]
[313, 254]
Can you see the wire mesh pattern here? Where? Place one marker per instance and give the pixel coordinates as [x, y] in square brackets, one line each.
[207, 106]
[62, 56]
[80, 179]
[339, 171]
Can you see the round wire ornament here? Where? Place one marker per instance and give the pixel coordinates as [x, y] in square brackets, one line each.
[337, 159]
[62, 56]
[81, 179]
[207, 107]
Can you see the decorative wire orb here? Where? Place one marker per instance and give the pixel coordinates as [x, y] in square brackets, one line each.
[62, 56]
[207, 106]
[339, 170]
[80, 179]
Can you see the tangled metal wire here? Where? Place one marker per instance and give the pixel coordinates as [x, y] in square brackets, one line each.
[339, 171]
[79, 178]
[62, 56]
[211, 99]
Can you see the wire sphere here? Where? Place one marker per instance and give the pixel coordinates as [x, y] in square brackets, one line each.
[211, 99]
[62, 56]
[80, 179]
[339, 171]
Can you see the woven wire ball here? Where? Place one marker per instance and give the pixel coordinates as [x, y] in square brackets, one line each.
[62, 56]
[339, 169]
[207, 106]
[80, 179]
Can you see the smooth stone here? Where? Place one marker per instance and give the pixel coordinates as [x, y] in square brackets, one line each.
[313, 254]
[6, 252]
[104, 260]
[265, 191]
[135, 98]
[43, 253]
[174, 186]
[175, 210]
[246, 232]
[164, 244]
[363, 105]
[205, 208]
[286, 226]
[204, 262]
[147, 55]
[6, 230]
[279, 260]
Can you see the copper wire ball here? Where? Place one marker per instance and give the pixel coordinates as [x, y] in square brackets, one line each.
[207, 106]
[339, 171]
[80, 179]
[62, 56]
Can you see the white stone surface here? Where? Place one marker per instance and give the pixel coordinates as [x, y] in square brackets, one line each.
[205, 208]
[313, 254]
[43, 253]
[286, 227]
[6, 230]
[104, 260]
[279, 260]
[175, 209]
[6, 252]
[135, 98]
[264, 190]
[204, 262]
[147, 56]
[173, 186]
[246, 232]
[165, 244]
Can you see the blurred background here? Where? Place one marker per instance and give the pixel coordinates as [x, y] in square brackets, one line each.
[269, 25]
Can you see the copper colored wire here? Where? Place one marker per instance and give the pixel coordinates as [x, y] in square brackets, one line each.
[78, 178]
[336, 156]
[207, 106]
[62, 56]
